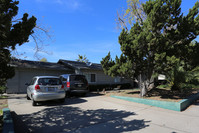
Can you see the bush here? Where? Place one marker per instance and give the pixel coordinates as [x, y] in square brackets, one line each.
[178, 78]
[162, 86]
[100, 87]
[2, 89]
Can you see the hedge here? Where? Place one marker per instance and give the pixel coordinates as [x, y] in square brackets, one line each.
[100, 87]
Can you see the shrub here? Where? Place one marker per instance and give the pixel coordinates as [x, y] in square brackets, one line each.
[2, 89]
[162, 86]
[178, 78]
[100, 87]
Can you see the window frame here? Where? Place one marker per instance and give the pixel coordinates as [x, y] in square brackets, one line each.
[88, 77]
[32, 82]
[94, 78]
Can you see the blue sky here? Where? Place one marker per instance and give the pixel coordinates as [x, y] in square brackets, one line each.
[85, 27]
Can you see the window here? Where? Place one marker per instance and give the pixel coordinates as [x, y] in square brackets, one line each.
[63, 78]
[80, 78]
[88, 77]
[32, 82]
[117, 79]
[92, 77]
[49, 81]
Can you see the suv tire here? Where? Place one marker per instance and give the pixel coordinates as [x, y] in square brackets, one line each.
[62, 100]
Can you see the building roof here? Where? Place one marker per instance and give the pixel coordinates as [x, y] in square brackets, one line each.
[37, 64]
[80, 65]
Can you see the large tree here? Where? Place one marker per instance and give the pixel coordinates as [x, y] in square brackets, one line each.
[133, 13]
[157, 44]
[12, 33]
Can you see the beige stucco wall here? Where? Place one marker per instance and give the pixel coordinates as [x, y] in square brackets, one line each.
[101, 78]
[24, 75]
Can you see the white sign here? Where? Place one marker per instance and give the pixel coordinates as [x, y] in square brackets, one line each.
[161, 77]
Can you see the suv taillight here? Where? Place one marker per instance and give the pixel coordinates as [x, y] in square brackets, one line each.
[68, 84]
[37, 87]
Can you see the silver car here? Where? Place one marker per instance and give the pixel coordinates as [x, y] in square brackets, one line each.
[44, 88]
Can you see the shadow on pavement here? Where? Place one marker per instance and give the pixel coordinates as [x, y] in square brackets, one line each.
[93, 94]
[16, 96]
[73, 119]
[90, 94]
[68, 101]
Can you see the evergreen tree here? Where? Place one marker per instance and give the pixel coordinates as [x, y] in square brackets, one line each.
[158, 44]
[82, 58]
[12, 33]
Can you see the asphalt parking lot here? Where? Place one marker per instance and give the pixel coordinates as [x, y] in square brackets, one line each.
[99, 114]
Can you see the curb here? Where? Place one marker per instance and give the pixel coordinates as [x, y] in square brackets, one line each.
[176, 106]
[185, 103]
[8, 126]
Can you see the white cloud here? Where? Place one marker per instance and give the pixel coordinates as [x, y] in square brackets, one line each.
[74, 5]
[69, 4]
[59, 1]
[63, 55]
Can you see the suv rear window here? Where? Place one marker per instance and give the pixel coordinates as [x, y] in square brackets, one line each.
[63, 78]
[49, 81]
[78, 78]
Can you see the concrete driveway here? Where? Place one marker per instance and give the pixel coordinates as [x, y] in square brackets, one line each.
[100, 114]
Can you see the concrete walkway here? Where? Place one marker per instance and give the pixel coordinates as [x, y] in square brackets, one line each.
[100, 114]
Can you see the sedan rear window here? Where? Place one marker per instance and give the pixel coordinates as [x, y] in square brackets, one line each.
[49, 81]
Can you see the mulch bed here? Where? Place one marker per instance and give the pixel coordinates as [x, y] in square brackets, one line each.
[155, 94]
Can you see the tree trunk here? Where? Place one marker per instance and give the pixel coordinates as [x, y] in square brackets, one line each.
[146, 83]
[143, 89]
[142, 86]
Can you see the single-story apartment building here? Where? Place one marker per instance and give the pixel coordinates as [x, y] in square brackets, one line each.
[25, 70]
[93, 72]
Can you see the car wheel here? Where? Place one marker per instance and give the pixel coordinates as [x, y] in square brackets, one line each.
[34, 103]
[83, 94]
[62, 100]
[67, 94]
[28, 98]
